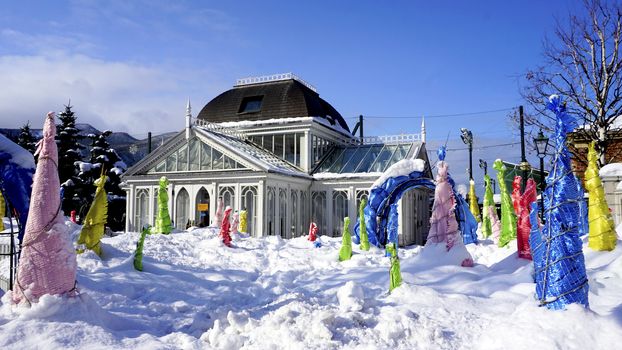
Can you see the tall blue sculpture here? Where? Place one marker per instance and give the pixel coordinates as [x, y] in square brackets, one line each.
[557, 249]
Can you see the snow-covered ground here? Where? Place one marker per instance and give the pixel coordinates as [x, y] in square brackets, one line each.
[271, 293]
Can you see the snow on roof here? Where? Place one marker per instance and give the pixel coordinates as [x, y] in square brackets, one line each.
[402, 168]
[612, 169]
[19, 156]
[249, 123]
[321, 176]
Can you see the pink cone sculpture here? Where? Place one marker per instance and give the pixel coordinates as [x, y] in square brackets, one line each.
[48, 260]
[444, 230]
[225, 227]
[495, 225]
[312, 232]
[236, 222]
[219, 209]
[523, 225]
[516, 196]
[443, 223]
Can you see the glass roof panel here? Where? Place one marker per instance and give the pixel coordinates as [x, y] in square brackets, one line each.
[400, 153]
[383, 159]
[369, 159]
[342, 160]
[356, 158]
[330, 159]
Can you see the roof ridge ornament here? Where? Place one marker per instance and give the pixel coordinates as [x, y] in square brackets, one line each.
[271, 78]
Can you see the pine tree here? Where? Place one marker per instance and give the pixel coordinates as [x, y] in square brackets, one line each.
[25, 139]
[104, 160]
[69, 151]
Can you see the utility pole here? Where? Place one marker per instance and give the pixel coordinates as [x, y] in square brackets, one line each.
[149, 142]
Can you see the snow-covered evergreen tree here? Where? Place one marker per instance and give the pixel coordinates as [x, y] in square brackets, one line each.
[25, 139]
[103, 158]
[69, 151]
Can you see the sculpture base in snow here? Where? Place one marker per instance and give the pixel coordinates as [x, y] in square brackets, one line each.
[436, 254]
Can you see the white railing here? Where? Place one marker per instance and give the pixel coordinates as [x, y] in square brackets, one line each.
[389, 139]
[219, 129]
[273, 77]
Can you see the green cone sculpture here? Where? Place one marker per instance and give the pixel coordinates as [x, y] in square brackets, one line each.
[394, 274]
[138, 256]
[163, 220]
[346, 241]
[508, 217]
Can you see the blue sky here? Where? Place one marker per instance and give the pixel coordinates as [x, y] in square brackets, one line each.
[130, 65]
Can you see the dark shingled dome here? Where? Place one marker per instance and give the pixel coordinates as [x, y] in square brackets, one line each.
[270, 100]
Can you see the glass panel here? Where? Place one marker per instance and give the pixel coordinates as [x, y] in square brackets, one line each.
[194, 154]
[271, 211]
[340, 211]
[278, 146]
[206, 157]
[356, 158]
[182, 220]
[182, 160]
[228, 163]
[294, 213]
[383, 158]
[334, 156]
[202, 209]
[161, 167]
[368, 159]
[318, 211]
[342, 160]
[359, 197]
[249, 195]
[304, 217]
[400, 153]
[290, 148]
[217, 163]
[155, 207]
[268, 140]
[227, 195]
[283, 214]
[171, 162]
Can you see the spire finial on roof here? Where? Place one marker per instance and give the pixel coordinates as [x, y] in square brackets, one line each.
[188, 118]
[423, 129]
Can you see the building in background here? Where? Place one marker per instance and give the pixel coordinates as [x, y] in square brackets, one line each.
[273, 147]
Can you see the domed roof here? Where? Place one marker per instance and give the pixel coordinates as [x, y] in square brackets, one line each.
[270, 100]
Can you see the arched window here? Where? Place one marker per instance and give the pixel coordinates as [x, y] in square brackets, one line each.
[141, 210]
[227, 194]
[271, 211]
[318, 211]
[304, 212]
[182, 210]
[201, 218]
[360, 194]
[249, 203]
[283, 213]
[294, 214]
[154, 213]
[340, 210]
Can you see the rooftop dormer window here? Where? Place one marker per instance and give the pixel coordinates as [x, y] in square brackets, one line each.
[251, 104]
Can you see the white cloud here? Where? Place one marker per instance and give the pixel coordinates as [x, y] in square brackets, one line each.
[109, 95]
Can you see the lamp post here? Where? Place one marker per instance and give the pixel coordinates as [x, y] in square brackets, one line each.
[483, 165]
[542, 143]
[467, 138]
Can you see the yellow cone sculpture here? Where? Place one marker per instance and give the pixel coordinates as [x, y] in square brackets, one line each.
[602, 234]
[473, 206]
[95, 220]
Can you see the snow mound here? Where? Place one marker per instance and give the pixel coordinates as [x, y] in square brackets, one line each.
[611, 169]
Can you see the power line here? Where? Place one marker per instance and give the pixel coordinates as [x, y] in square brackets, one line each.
[437, 115]
[481, 147]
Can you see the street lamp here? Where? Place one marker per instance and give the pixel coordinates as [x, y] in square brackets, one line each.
[483, 165]
[467, 138]
[542, 143]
